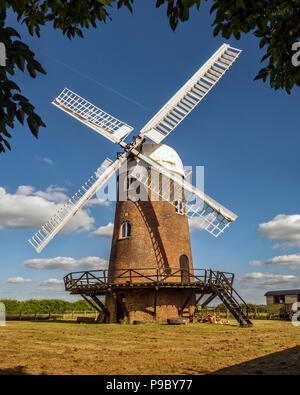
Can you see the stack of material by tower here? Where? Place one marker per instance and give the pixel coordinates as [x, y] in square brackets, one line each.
[212, 318]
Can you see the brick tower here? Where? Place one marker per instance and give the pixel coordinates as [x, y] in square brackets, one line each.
[151, 236]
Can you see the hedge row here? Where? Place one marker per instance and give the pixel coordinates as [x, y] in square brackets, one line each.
[44, 306]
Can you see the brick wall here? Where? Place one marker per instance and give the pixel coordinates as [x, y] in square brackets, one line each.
[140, 305]
[159, 237]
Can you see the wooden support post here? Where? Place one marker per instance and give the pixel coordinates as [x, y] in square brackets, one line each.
[200, 297]
[155, 302]
[92, 304]
[185, 303]
[103, 308]
[100, 311]
[209, 299]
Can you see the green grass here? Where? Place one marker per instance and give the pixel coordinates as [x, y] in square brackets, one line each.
[64, 348]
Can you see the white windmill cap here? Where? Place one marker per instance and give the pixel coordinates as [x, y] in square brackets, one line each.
[164, 155]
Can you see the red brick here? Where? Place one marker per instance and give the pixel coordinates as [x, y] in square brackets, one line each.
[159, 236]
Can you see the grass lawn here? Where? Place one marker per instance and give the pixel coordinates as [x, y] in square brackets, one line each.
[269, 347]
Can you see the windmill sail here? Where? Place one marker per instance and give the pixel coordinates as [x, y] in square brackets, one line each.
[203, 211]
[41, 238]
[207, 213]
[92, 116]
[187, 98]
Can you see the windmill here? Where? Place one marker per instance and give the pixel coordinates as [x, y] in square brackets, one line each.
[160, 159]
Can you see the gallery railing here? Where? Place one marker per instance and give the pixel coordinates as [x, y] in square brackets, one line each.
[151, 276]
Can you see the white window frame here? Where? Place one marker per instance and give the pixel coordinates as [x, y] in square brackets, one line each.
[126, 230]
[179, 207]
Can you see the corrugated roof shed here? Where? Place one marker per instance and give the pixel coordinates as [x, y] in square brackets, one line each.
[283, 292]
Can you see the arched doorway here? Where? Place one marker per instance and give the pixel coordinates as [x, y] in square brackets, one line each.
[185, 270]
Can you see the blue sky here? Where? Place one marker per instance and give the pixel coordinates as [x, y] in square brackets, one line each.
[245, 134]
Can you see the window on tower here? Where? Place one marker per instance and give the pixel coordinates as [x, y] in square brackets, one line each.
[130, 180]
[125, 230]
[179, 207]
[132, 186]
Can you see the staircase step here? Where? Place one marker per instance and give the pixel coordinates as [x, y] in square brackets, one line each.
[221, 289]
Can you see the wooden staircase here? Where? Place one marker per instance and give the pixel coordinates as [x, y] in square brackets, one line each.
[231, 299]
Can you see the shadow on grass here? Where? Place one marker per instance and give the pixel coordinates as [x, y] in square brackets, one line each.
[285, 362]
[17, 370]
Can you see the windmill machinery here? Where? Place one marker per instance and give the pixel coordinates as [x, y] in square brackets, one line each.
[213, 216]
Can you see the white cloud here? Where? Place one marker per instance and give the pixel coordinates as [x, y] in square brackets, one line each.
[28, 208]
[263, 280]
[287, 245]
[105, 231]
[25, 190]
[282, 227]
[51, 281]
[292, 261]
[67, 263]
[52, 193]
[18, 280]
[53, 285]
[198, 223]
[256, 263]
[97, 201]
[285, 228]
[48, 161]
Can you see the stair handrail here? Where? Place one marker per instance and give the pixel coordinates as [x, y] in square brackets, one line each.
[221, 274]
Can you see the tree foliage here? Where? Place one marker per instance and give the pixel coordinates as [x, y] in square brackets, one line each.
[252, 307]
[44, 306]
[65, 16]
[276, 23]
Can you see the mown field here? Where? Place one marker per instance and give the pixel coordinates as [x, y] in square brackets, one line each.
[270, 347]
